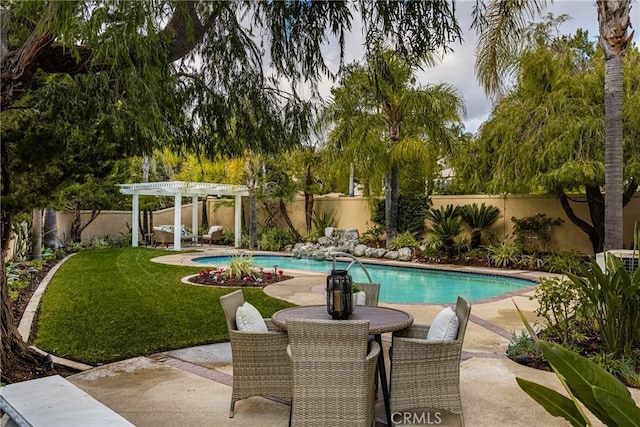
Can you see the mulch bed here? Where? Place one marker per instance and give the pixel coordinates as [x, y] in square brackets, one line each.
[259, 280]
[14, 374]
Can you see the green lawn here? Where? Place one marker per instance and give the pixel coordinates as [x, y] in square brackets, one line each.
[112, 304]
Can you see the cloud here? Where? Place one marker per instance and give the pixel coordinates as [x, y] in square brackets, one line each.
[457, 68]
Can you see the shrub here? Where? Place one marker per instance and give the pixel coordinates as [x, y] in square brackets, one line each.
[533, 233]
[372, 236]
[504, 255]
[478, 218]
[562, 309]
[563, 262]
[523, 344]
[322, 221]
[274, 238]
[403, 240]
[412, 211]
[444, 234]
[614, 297]
[445, 212]
[240, 266]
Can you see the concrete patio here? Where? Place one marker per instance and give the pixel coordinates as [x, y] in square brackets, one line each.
[192, 387]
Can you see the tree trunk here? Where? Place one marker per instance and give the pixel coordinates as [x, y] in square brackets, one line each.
[392, 229]
[387, 209]
[253, 219]
[595, 202]
[308, 210]
[15, 354]
[287, 219]
[613, 22]
[50, 236]
[308, 199]
[36, 234]
[613, 162]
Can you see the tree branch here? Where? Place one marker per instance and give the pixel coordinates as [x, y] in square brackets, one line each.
[582, 224]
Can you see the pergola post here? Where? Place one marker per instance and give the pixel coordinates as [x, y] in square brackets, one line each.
[238, 222]
[194, 216]
[135, 208]
[177, 222]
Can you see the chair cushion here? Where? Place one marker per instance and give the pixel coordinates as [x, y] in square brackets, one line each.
[249, 319]
[444, 326]
[215, 228]
[361, 298]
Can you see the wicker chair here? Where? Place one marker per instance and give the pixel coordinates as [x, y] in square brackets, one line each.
[261, 366]
[426, 374]
[373, 293]
[333, 373]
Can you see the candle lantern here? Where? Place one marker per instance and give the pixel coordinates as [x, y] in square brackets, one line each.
[339, 295]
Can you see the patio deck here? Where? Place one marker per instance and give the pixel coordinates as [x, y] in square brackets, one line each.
[192, 387]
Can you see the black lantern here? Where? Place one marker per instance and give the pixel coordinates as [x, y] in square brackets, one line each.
[339, 295]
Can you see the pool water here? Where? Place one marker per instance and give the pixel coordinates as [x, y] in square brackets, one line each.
[399, 284]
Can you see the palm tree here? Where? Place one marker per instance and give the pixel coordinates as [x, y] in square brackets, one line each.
[478, 218]
[500, 24]
[382, 119]
[613, 20]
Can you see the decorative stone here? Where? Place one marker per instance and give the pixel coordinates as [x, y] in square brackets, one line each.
[379, 253]
[359, 250]
[328, 232]
[369, 252]
[325, 241]
[319, 255]
[391, 255]
[405, 254]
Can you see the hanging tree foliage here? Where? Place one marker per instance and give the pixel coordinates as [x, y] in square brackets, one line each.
[212, 51]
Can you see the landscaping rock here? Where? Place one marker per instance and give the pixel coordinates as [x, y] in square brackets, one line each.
[359, 250]
[391, 255]
[369, 252]
[379, 253]
[325, 241]
[405, 254]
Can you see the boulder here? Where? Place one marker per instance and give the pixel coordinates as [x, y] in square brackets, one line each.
[405, 254]
[379, 253]
[391, 255]
[359, 250]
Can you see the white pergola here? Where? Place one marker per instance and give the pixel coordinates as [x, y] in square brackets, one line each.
[178, 190]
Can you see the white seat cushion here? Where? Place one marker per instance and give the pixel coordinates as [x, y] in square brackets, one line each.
[249, 319]
[362, 298]
[444, 326]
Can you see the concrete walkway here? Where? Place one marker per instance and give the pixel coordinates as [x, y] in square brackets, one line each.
[192, 387]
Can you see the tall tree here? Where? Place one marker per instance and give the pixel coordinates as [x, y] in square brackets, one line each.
[501, 23]
[139, 47]
[614, 22]
[547, 133]
[383, 118]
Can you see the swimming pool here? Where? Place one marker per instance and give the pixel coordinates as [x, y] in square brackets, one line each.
[399, 284]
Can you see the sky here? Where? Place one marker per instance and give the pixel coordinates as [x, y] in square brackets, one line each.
[457, 68]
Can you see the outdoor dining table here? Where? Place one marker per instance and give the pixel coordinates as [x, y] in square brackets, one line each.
[381, 320]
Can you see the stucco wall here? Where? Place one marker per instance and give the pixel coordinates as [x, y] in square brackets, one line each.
[353, 212]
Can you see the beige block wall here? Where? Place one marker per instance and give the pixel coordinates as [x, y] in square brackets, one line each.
[353, 212]
[115, 224]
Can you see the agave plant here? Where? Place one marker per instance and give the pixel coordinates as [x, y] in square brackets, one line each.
[478, 218]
